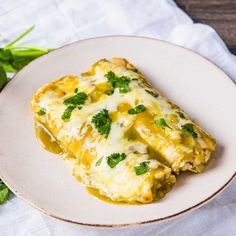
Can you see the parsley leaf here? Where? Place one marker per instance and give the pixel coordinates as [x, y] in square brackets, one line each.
[76, 100]
[99, 161]
[155, 95]
[188, 129]
[162, 123]
[138, 109]
[67, 113]
[4, 192]
[102, 122]
[42, 111]
[115, 158]
[181, 115]
[121, 82]
[142, 168]
[76, 90]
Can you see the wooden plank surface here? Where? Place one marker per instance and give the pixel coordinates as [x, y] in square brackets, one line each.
[220, 14]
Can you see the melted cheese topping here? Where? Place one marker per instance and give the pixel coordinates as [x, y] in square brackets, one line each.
[166, 149]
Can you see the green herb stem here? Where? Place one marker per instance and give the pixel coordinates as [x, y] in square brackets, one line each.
[20, 37]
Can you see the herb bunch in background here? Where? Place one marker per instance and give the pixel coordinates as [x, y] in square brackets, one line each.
[14, 57]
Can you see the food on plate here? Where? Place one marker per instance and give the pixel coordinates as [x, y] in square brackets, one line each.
[119, 134]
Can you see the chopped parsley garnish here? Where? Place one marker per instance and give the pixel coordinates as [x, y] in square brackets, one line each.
[4, 192]
[138, 109]
[188, 129]
[115, 158]
[99, 161]
[67, 113]
[162, 123]
[155, 95]
[102, 122]
[121, 82]
[181, 115]
[142, 168]
[76, 100]
[42, 111]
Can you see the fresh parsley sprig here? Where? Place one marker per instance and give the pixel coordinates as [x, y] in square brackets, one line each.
[121, 82]
[76, 100]
[102, 122]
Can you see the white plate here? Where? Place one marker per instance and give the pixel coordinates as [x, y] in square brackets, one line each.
[43, 179]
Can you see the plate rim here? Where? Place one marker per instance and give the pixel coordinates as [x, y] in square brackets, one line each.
[169, 217]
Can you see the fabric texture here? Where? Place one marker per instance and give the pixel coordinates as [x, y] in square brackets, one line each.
[59, 22]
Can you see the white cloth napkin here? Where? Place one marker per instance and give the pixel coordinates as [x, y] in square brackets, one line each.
[59, 22]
